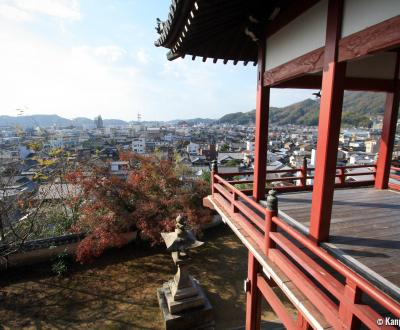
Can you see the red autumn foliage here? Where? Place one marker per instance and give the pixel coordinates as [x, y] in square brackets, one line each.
[148, 199]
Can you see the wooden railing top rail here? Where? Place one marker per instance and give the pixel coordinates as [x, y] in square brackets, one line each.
[395, 184]
[253, 215]
[340, 173]
[363, 284]
[395, 176]
[357, 173]
[230, 187]
[222, 174]
[357, 166]
[294, 170]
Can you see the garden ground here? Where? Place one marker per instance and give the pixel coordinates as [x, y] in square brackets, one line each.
[118, 291]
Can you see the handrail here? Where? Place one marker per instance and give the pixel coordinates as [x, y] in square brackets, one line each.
[235, 173]
[395, 184]
[357, 166]
[395, 176]
[304, 176]
[253, 203]
[364, 285]
[262, 225]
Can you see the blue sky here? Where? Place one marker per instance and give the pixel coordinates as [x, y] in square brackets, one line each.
[89, 57]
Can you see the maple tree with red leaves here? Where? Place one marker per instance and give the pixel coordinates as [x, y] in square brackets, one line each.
[148, 199]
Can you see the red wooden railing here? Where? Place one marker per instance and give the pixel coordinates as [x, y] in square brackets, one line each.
[301, 175]
[340, 300]
[395, 176]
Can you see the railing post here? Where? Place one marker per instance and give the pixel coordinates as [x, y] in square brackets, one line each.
[342, 175]
[302, 322]
[214, 171]
[234, 199]
[351, 296]
[253, 295]
[270, 226]
[304, 173]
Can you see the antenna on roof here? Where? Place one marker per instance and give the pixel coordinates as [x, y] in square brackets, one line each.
[139, 117]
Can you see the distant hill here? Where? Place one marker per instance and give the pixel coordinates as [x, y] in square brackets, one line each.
[45, 121]
[239, 118]
[34, 121]
[194, 121]
[114, 122]
[82, 121]
[358, 108]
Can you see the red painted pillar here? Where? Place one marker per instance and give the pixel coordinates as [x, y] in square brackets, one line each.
[253, 295]
[261, 132]
[328, 127]
[388, 133]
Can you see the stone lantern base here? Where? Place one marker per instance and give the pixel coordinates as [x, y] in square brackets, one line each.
[193, 312]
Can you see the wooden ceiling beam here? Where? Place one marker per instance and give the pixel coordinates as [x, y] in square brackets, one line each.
[350, 84]
[376, 38]
[379, 37]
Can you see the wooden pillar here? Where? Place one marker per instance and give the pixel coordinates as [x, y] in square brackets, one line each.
[388, 133]
[328, 127]
[253, 295]
[261, 129]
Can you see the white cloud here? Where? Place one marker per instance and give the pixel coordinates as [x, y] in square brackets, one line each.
[25, 10]
[109, 53]
[142, 56]
[14, 13]
[110, 80]
[84, 81]
[113, 53]
[67, 81]
[192, 74]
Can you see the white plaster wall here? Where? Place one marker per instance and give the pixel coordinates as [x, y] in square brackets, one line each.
[360, 14]
[379, 65]
[304, 34]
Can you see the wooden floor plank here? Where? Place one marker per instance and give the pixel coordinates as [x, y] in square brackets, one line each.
[365, 225]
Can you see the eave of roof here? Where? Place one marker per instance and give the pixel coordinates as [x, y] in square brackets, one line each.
[178, 12]
[214, 29]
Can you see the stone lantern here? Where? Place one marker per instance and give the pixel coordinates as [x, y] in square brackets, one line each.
[182, 300]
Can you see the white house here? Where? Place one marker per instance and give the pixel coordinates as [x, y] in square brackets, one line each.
[192, 148]
[139, 145]
[250, 146]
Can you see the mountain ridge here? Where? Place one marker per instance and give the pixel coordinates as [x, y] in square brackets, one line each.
[358, 109]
